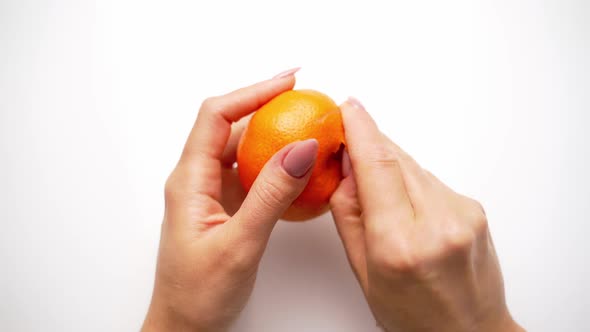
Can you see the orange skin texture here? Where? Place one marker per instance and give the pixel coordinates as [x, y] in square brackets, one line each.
[296, 115]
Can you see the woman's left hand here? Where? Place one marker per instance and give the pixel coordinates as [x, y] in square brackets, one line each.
[213, 235]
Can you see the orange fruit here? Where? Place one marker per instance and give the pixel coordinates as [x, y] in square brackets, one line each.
[296, 115]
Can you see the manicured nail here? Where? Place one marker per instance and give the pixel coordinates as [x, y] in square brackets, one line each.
[356, 103]
[300, 159]
[346, 165]
[287, 73]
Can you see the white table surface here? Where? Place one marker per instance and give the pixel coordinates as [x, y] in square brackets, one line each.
[97, 98]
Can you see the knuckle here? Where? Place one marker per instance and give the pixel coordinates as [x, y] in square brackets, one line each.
[399, 261]
[477, 216]
[478, 206]
[336, 199]
[269, 193]
[404, 263]
[480, 219]
[384, 156]
[210, 105]
[176, 186]
[480, 224]
[171, 187]
[339, 199]
[458, 240]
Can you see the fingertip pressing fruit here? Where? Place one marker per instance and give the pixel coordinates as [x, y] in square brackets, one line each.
[296, 115]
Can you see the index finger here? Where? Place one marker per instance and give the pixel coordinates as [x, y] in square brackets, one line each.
[204, 147]
[381, 187]
[212, 128]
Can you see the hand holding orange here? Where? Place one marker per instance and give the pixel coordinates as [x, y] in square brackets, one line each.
[296, 115]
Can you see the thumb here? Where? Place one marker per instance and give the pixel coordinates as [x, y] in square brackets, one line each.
[279, 183]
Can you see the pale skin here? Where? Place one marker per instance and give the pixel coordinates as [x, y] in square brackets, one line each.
[422, 254]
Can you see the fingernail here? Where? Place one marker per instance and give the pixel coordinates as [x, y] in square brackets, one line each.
[356, 103]
[287, 73]
[299, 160]
[346, 165]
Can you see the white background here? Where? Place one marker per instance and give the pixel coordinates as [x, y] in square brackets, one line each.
[96, 100]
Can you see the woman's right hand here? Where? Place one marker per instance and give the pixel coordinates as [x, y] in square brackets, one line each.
[422, 253]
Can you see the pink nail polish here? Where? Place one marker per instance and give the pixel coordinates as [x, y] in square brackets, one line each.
[287, 73]
[356, 103]
[300, 159]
